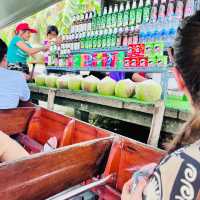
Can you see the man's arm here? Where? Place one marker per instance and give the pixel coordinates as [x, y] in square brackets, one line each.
[25, 91]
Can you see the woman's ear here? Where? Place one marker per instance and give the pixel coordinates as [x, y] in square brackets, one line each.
[179, 79]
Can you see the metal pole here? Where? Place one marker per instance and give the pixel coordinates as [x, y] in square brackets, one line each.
[75, 192]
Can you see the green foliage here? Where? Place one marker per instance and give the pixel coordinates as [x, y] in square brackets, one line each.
[59, 14]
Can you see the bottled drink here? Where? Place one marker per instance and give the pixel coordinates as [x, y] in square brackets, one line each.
[179, 10]
[99, 39]
[147, 11]
[154, 12]
[170, 10]
[114, 16]
[104, 38]
[119, 37]
[125, 36]
[94, 20]
[120, 16]
[189, 8]
[139, 13]
[132, 18]
[162, 11]
[114, 37]
[108, 38]
[89, 23]
[109, 17]
[98, 22]
[126, 14]
[94, 40]
[103, 19]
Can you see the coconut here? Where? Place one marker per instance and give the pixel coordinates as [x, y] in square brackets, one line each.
[62, 82]
[148, 90]
[51, 81]
[40, 79]
[106, 86]
[125, 88]
[89, 84]
[74, 82]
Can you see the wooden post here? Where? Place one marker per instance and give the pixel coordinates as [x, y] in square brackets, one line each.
[51, 98]
[156, 125]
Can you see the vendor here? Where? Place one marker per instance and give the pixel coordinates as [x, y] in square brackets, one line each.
[19, 49]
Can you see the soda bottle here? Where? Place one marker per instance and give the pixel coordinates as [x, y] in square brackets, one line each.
[119, 37]
[189, 8]
[146, 12]
[108, 38]
[126, 14]
[132, 18]
[139, 13]
[170, 10]
[104, 38]
[125, 36]
[120, 15]
[114, 16]
[179, 10]
[94, 20]
[99, 38]
[89, 23]
[154, 12]
[98, 22]
[94, 40]
[114, 37]
[109, 17]
[90, 39]
[103, 20]
[162, 11]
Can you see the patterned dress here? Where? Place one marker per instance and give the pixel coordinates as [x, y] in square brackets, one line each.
[177, 177]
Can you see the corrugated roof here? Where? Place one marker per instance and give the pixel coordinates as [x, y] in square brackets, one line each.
[15, 10]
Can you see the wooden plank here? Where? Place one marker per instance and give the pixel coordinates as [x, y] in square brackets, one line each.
[15, 120]
[51, 99]
[157, 122]
[45, 174]
[86, 97]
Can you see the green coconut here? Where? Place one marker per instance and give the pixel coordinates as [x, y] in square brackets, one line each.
[148, 90]
[89, 84]
[62, 82]
[106, 86]
[74, 82]
[40, 80]
[50, 81]
[125, 88]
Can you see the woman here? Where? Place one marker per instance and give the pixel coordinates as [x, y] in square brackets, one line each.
[178, 174]
[52, 35]
[19, 50]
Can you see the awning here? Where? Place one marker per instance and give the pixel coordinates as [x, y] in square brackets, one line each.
[12, 11]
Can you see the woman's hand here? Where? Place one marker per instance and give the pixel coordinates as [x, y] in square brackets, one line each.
[45, 48]
[139, 180]
[133, 194]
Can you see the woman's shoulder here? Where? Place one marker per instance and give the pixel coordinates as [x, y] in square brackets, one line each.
[177, 176]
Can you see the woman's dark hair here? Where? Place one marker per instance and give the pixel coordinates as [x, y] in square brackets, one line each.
[3, 49]
[51, 29]
[187, 59]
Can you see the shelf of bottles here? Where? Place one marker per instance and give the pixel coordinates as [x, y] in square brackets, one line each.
[119, 26]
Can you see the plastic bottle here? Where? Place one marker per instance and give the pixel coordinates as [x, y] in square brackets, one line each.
[146, 11]
[162, 11]
[109, 17]
[104, 18]
[120, 16]
[179, 10]
[114, 17]
[108, 38]
[170, 10]
[126, 14]
[139, 13]
[189, 8]
[104, 38]
[94, 20]
[125, 36]
[119, 37]
[132, 18]
[94, 40]
[99, 39]
[114, 37]
[154, 12]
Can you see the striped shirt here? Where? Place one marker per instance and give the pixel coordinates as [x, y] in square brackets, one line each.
[13, 88]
